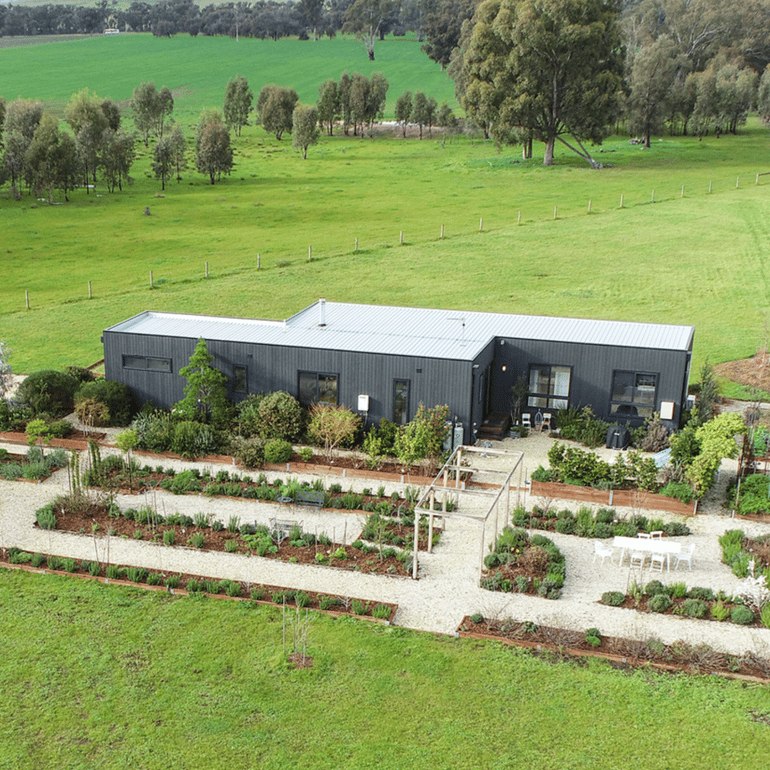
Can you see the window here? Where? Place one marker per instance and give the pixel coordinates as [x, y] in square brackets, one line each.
[401, 402]
[549, 386]
[318, 388]
[144, 362]
[633, 394]
[240, 379]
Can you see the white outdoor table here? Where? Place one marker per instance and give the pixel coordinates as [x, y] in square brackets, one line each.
[650, 545]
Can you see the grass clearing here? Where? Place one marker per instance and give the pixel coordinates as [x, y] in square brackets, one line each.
[102, 676]
[700, 258]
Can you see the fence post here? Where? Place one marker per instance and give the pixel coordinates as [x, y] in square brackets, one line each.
[621, 200]
[589, 207]
[90, 293]
[356, 248]
[207, 269]
[309, 253]
[442, 226]
[653, 196]
[683, 191]
[737, 183]
[481, 223]
[401, 238]
[151, 281]
[710, 183]
[518, 221]
[259, 261]
[26, 298]
[555, 212]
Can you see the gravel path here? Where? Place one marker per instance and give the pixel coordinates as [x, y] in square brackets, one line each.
[448, 586]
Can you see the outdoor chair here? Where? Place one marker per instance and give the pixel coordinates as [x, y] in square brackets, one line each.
[526, 420]
[657, 533]
[546, 424]
[685, 555]
[602, 551]
[643, 535]
[659, 559]
[638, 558]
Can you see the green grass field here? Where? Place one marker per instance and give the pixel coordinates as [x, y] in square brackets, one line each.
[700, 259]
[197, 69]
[106, 677]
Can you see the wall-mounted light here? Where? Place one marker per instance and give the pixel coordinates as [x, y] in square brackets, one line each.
[505, 368]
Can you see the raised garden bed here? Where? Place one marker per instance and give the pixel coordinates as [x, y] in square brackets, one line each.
[35, 466]
[695, 603]
[76, 440]
[631, 498]
[98, 517]
[602, 524]
[185, 584]
[619, 652]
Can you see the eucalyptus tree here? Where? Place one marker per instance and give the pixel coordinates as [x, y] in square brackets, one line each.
[239, 99]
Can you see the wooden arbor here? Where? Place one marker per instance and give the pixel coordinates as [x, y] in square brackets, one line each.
[449, 484]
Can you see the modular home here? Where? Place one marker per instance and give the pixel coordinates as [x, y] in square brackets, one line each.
[382, 362]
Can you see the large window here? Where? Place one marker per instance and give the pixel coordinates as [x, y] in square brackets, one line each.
[318, 388]
[400, 402]
[633, 394]
[145, 362]
[549, 386]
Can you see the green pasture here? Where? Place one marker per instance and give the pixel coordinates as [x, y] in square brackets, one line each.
[197, 69]
[700, 259]
[107, 677]
[689, 244]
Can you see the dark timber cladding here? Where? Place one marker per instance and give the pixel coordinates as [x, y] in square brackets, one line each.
[384, 361]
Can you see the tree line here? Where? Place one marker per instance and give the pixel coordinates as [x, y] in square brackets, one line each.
[92, 146]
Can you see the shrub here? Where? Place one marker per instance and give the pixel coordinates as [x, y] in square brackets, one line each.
[115, 398]
[695, 608]
[593, 637]
[682, 492]
[277, 451]
[655, 587]
[193, 585]
[169, 537]
[136, 574]
[766, 616]
[192, 439]
[48, 392]
[113, 572]
[327, 602]
[251, 453]
[678, 590]
[613, 598]
[233, 587]
[359, 607]
[301, 599]
[231, 546]
[742, 615]
[38, 559]
[704, 594]
[17, 556]
[660, 602]
[45, 517]
[197, 540]
[306, 455]
[381, 611]
[719, 611]
[154, 579]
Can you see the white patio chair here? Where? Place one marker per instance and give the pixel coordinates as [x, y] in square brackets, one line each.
[656, 533]
[546, 424]
[685, 555]
[638, 558]
[526, 420]
[602, 551]
[659, 559]
[643, 535]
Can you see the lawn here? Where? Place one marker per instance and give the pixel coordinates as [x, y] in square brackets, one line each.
[107, 677]
[674, 252]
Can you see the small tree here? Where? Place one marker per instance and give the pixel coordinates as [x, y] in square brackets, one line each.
[707, 404]
[205, 395]
[404, 110]
[127, 441]
[213, 153]
[328, 104]
[424, 436]
[238, 103]
[332, 426]
[305, 129]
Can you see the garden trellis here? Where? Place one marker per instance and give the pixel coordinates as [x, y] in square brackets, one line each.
[449, 485]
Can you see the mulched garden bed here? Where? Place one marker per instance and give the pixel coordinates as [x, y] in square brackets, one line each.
[679, 607]
[625, 654]
[262, 593]
[94, 516]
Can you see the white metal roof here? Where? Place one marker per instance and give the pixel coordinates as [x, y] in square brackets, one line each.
[405, 331]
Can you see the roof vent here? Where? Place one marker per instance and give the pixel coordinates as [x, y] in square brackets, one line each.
[322, 312]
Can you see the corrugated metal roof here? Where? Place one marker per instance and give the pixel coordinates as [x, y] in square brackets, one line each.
[420, 332]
